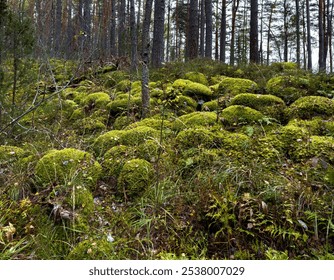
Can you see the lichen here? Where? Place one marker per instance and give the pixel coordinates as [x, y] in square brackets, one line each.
[239, 115]
[136, 175]
[67, 165]
[289, 88]
[234, 86]
[312, 106]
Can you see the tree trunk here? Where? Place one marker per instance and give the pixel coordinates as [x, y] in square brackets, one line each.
[309, 46]
[121, 28]
[223, 33]
[158, 33]
[254, 33]
[235, 6]
[202, 29]
[285, 29]
[208, 31]
[322, 61]
[192, 34]
[145, 58]
[133, 31]
[297, 32]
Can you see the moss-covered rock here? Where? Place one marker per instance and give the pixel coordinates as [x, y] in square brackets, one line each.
[197, 77]
[115, 158]
[124, 85]
[100, 249]
[95, 100]
[192, 89]
[10, 154]
[198, 158]
[210, 106]
[106, 141]
[289, 88]
[196, 137]
[152, 122]
[122, 122]
[311, 106]
[89, 125]
[234, 86]
[138, 135]
[267, 104]
[67, 165]
[316, 146]
[136, 175]
[239, 115]
[120, 106]
[80, 199]
[195, 119]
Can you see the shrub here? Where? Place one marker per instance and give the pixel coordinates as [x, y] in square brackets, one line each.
[67, 165]
[136, 175]
[312, 106]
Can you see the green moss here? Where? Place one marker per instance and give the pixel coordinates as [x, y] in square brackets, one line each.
[149, 150]
[81, 200]
[197, 78]
[137, 135]
[106, 141]
[67, 165]
[120, 106]
[77, 114]
[10, 154]
[114, 159]
[198, 157]
[113, 78]
[136, 175]
[282, 66]
[239, 115]
[89, 126]
[316, 146]
[195, 137]
[269, 105]
[99, 249]
[195, 119]
[96, 100]
[312, 106]
[124, 85]
[234, 86]
[289, 88]
[210, 106]
[122, 122]
[151, 122]
[192, 89]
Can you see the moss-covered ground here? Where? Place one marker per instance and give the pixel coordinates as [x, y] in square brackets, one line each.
[231, 163]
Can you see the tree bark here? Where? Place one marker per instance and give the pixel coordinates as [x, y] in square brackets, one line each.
[308, 27]
[223, 33]
[145, 58]
[158, 33]
[254, 33]
[208, 31]
[192, 34]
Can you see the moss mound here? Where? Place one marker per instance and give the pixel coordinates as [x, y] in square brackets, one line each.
[311, 106]
[138, 135]
[106, 141]
[136, 175]
[95, 100]
[267, 104]
[196, 137]
[195, 119]
[289, 88]
[120, 106]
[93, 250]
[197, 77]
[192, 89]
[10, 154]
[67, 165]
[234, 86]
[239, 115]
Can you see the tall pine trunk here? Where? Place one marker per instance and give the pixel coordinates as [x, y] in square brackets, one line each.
[254, 33]
[158, 33]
